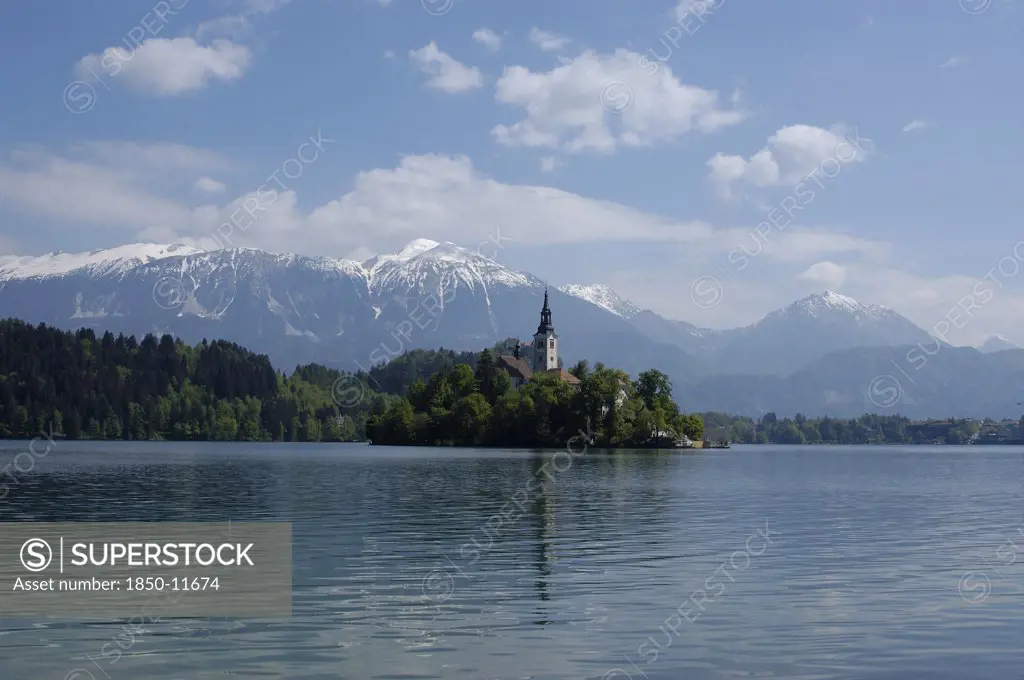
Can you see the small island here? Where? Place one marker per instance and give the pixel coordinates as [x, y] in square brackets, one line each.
[526, 399]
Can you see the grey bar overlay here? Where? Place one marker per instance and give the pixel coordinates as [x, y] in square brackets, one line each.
[43, 555]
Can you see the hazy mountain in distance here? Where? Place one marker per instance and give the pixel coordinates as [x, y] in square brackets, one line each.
[790, 338]
[952, 381]
[997, 343]
[782, 342]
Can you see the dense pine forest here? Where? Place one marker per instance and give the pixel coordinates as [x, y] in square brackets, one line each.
[88, 387]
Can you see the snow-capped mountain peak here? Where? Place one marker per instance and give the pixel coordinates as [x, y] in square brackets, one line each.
[99, 262]
[602, 296]
[829, 303]
[416, 247]
[427, 265]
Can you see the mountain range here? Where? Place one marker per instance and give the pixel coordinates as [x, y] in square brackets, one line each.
[817, 356]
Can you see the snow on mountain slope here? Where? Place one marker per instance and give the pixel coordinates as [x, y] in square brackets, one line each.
[602, 296]
[810, 328]
[420, 263]
[97, 262]
[830, 304]
[428, 266]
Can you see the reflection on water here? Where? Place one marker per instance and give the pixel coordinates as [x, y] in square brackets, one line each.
[428, 563]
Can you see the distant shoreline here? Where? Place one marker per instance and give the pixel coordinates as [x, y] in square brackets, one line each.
[732, 445]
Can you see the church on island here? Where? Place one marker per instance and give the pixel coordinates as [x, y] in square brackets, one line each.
[540, 356]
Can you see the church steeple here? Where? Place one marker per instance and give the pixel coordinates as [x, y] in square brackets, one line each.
[545, 340]
[545, 317]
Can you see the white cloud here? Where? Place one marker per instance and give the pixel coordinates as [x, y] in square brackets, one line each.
[446, 198]
[698, 8]
[435, 196]
[915, 125]
[548, 41]
[167, 67]
[937, 303]
[263, 6]
[95, 191]
[209, 185]
[9, 248]
[549, 163]
[599, 102]
[800, 245]
[829, 274]
[953, 62]
[159, 157]
[238, 26]
[235, 27]
[788, 157]
[486, 36]
[446, 73]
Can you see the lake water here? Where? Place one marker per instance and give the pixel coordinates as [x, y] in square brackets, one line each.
[815, 562]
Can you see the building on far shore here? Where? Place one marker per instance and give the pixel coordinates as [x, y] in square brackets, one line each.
[539, 356]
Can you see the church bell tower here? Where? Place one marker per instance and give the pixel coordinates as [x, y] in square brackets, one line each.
[545, 341]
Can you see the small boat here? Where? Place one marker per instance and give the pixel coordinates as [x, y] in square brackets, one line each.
[716, 445]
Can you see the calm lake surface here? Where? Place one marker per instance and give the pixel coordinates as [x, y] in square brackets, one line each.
[815, 562]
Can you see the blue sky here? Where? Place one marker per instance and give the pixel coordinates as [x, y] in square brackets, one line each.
[457, 119]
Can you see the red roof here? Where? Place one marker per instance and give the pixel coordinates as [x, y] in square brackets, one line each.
[517, 368]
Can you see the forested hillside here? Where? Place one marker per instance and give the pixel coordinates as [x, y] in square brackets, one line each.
[108, 387]
[867, 429]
